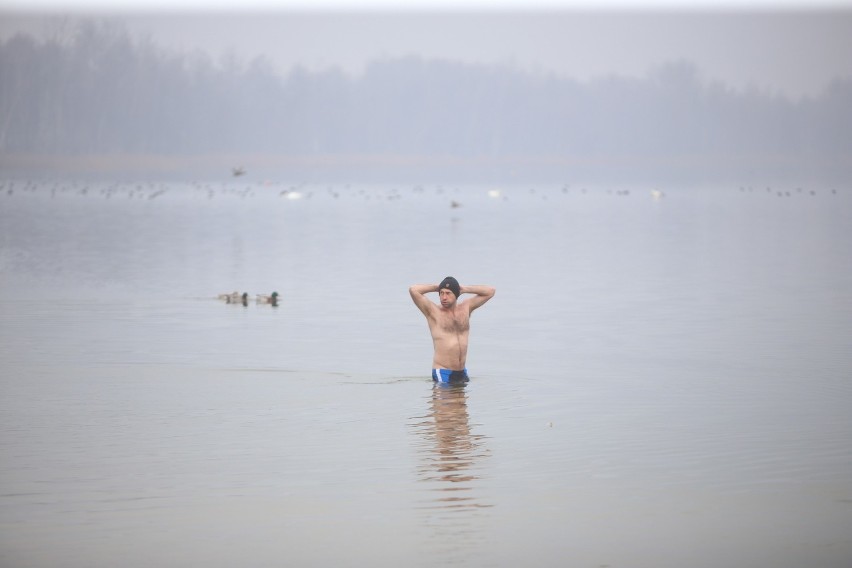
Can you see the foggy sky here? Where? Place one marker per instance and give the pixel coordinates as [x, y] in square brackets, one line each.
[791, 52]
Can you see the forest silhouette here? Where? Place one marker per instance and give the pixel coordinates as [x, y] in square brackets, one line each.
[97, 91]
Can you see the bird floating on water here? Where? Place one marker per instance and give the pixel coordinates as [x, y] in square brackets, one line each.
[242, 299]
[235, 298]
[270, 299]
[290, 194]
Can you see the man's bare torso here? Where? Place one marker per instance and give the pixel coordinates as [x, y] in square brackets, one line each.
[450, 330]
[449, 321]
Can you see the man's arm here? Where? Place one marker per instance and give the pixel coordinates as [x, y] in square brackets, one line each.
[482, 295]
[418, 294]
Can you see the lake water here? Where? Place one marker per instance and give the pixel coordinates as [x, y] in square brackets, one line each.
[659, 381]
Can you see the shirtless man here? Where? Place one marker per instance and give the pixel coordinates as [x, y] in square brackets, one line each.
[449, 324]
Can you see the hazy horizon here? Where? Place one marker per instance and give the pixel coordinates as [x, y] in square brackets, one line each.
[794, 53]
[606, 94]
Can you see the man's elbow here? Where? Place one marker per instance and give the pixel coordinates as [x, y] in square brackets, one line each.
[491, 290]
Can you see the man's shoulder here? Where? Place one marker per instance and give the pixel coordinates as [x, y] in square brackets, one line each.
[432, 309]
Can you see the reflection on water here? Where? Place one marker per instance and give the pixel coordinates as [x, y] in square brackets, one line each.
[450, 456]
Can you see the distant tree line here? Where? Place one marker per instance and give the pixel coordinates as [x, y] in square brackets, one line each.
[97, 90]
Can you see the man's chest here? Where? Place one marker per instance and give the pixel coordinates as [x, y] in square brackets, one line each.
[453, 323]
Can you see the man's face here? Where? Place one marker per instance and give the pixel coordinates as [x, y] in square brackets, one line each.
[447, 297]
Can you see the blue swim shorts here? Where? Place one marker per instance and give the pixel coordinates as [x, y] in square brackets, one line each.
[448, 376]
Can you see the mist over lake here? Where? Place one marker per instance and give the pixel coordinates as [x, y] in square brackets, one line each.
[87, 97]
[660, 198]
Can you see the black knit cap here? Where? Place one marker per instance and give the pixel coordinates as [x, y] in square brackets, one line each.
[451, 284]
